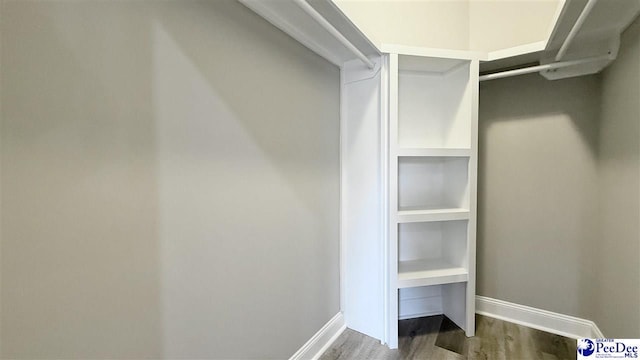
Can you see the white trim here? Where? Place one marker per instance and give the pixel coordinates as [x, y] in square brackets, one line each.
[432, 52]
[544, 320]
[418, 315]
[384, 186]
[321, 341]
[575, 29]
[563, 5]
[515, 51]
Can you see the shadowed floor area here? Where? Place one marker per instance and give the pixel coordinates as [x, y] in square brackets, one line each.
[437, 337]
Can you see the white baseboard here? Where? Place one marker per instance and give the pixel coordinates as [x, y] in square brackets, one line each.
[321, 341]
[548, 321]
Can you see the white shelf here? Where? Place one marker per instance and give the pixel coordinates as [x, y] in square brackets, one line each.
[423, 215]
[429, 272]
[435, 152]
[289, 17]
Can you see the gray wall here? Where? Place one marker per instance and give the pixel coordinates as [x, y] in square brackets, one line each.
[537, 186]
[559, 193]
[618, 249]
[170, 182]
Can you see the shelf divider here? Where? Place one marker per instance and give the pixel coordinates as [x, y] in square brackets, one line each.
[424, 215]
[429, 272]
[433, 152]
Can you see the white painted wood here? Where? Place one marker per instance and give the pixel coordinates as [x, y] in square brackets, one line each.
[429, 272]
[408, 216]
[300, 25]
[598, 36]
[362, 203]
[434, 108]
[432, 183]
[356, 72]
[433, 156]
[544, 320]
[392, 245]
[384, 175]
[334, 32]
[445, 240]
[433, 152]
[321, 340]
[474, 84]
[281, 19]
[423, 236]
[515, 51]
[428, 64]
[432, 52]
[415, 308]
[419, 301]
[575, 29]
[454, 305]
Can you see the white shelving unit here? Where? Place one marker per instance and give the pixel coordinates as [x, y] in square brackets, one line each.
[409, 154]
[432, 170]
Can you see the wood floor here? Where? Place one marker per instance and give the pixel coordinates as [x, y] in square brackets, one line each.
[437, 337]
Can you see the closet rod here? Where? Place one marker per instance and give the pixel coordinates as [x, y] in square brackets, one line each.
[532, 69]
[327, 26]
[574, 30]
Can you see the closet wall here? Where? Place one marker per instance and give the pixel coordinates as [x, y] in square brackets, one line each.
[169, 179]
[559, 193]
[617, 258]
[537, 192]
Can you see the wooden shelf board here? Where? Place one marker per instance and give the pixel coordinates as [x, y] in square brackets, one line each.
[423, 215]
[429, 272]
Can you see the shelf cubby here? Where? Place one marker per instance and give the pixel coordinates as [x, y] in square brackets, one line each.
[432, 253]
[434, 103]
[433, 186]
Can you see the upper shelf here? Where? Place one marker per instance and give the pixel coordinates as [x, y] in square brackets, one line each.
[289, 17]
[598, 35]
[339, 41]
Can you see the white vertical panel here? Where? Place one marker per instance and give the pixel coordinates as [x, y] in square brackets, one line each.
[473, 187]
[362, 242]
[454, 305]
[384, 175]
[419, 301]
[392, 339]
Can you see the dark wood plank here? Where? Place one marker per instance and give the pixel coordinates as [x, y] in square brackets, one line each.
[437, 337]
